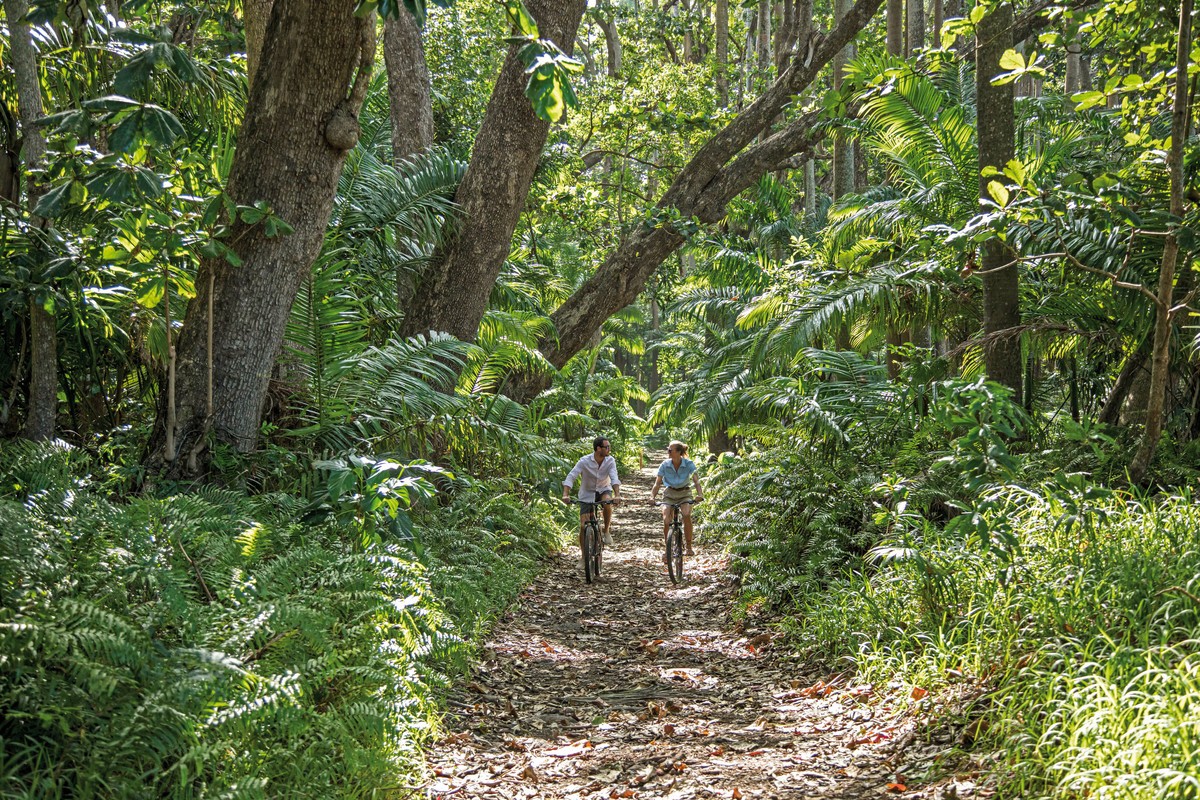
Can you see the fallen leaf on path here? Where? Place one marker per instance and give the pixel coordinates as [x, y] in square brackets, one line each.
[919, 694]
[737, 794]
[897, 788]
[530, 774]
[570, 750]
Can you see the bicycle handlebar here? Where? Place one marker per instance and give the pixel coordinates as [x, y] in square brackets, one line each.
[573, 501]
[677, 505]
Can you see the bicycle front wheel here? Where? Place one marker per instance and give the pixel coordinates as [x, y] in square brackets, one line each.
[597, 551]
[675, 553]
[591, 538]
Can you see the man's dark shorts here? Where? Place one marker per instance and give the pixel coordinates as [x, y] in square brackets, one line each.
[585, 509]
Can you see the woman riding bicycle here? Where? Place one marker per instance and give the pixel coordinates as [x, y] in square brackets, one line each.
[674, 473]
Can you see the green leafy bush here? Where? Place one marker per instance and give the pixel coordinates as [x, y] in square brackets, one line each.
[211, 645]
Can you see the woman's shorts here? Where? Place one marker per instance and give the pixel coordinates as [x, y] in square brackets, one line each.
[675, 496]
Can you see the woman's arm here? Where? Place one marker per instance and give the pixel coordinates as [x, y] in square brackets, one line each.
[654, 490]
[696, 483]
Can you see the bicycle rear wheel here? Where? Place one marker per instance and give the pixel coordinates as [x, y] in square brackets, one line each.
[590, 537]
[675, 553]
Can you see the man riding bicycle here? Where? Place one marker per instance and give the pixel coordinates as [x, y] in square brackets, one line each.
[599, 482]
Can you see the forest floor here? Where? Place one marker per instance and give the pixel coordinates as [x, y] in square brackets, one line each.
[637, 688]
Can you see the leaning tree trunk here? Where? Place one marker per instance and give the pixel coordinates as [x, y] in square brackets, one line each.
[454, 293]
[1160, 356]
[409, 89]
[1001, 300]
[301, 119]
[722, 168]
[42, 407]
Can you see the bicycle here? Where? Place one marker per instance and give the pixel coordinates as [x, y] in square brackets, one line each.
[675, 540]
[592, 541]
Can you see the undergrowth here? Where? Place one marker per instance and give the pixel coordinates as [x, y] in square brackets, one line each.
[1065, 613]
[215, 645]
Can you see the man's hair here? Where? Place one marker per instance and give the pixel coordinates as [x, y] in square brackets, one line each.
[598, 442]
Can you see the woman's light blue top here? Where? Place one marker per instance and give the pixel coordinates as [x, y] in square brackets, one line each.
[677, 478]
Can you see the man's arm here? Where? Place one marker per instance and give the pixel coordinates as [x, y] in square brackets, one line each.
[569, 481]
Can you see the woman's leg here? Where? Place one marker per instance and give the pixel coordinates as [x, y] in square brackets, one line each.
[687, 527]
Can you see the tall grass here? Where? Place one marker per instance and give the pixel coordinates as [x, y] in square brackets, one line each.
[1086, 646]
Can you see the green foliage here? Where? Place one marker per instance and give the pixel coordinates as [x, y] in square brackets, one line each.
[214, 645]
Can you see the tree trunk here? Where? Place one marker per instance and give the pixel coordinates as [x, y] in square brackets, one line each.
[301, 119]
[612, 41]
[1160, 357]
[454, 293]
[915, 30]
[255, 15]
[42, 407]
[1001, 301]
[895, 27]
[1110, 413]
[716, 174]
[409, 89]
[843, 145]
[722, 36]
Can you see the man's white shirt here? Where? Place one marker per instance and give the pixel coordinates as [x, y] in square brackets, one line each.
[594, 477]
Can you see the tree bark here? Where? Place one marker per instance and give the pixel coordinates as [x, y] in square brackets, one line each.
[42, 407]
[843, 145]
[454, 293]
[301, 120]
[895, 27]
[1001, 300]
[915, 30]
[1160, 354]
[255, 15]
[409, 89]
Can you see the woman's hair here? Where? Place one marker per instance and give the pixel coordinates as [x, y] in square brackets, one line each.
[678, 445]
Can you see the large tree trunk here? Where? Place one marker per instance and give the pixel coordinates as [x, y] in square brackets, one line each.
[42, 407]
[1001, 300]
[454, 293]
[301, 119]
[409, 88]
[1160, 357]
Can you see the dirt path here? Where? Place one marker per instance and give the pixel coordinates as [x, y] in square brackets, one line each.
[637, 688]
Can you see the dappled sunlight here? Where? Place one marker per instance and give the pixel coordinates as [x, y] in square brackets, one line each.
[636, 687]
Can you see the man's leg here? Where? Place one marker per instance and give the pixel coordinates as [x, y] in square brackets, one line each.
[608, 540]
[582, 523]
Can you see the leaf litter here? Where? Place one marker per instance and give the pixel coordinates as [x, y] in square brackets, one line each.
[637, 688]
